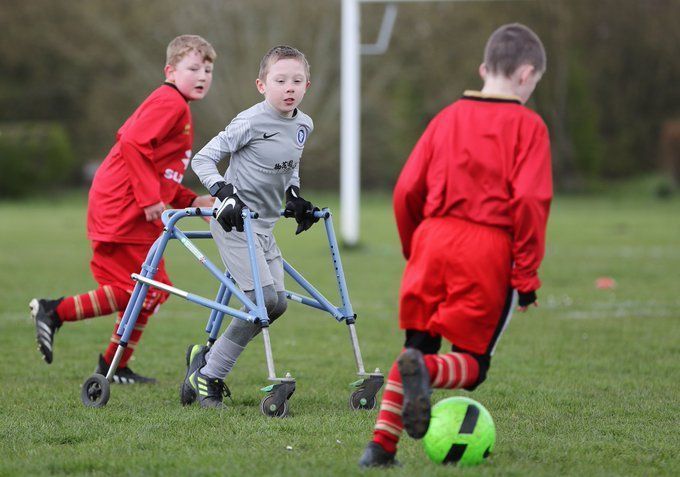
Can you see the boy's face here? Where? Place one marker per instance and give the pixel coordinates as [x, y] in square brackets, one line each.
[285, 85]
[192, 75]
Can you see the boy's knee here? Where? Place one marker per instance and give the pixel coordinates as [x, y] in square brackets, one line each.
[423, 341]
[154, 298]
[271, 300]
[484, 363]
[280, 308]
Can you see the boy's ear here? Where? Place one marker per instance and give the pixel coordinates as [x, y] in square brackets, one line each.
[169, 70]
[260, 85]
[483, 71]
[525, 71]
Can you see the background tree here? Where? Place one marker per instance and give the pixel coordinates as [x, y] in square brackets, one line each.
[610, 87]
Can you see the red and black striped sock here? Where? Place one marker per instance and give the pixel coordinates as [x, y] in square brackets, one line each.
[102, 301]
[449, 371]
[137, 331]
[388, 427]
[150, 306]
[452, 370]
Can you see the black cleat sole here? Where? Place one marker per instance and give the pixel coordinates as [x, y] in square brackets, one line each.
[187, 394]
[416, 381]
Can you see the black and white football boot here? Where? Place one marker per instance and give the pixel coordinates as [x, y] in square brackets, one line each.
[375, 456]
[122, 375]
[47, 322]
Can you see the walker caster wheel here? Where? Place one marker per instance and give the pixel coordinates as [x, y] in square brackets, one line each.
[275, 402]
[363, 398]
[269, 407]
[357, 400]
[95, 391]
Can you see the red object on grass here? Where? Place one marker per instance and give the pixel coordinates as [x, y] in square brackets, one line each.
[605, 283]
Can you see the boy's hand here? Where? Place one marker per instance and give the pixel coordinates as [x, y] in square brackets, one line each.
[203, 201]
[301, 209]
[229, 213]
[153, 212]
[526, 299]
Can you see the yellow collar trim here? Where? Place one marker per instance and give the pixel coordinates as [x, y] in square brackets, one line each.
[478, 94]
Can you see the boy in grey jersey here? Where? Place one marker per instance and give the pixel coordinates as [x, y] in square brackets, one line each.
[265, 143]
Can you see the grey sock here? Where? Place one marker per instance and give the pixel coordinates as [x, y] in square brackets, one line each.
[222, 358]
[228, 347]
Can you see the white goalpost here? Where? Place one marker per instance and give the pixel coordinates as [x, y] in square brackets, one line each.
[350, 105]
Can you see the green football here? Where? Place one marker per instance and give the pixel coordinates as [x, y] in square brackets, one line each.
[461, 432]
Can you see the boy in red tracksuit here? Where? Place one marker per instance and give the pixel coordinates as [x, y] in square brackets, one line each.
[471, 205]
[140, 176]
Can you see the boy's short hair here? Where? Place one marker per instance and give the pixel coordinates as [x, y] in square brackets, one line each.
[183, 44]
[512, 46]
[281, 52]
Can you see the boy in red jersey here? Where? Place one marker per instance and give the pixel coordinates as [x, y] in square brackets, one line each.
[140, 176]
[471, 205]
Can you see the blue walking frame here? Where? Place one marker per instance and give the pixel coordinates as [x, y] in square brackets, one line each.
[96, 389]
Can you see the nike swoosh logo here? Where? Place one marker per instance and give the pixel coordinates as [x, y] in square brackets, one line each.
[229, 202]
[267, 136]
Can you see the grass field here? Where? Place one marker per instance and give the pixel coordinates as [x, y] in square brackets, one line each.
[587, 384]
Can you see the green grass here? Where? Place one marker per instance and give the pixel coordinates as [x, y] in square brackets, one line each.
[587, 384]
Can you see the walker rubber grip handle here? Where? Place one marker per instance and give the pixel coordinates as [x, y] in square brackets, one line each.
[319, 214]
[253, 215]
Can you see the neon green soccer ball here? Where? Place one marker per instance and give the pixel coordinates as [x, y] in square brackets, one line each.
[461, 432]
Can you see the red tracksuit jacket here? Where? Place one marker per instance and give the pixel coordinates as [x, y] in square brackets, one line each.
[145, 166]
[485, 160]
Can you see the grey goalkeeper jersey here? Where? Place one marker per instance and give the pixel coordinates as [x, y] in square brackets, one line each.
[265, 150]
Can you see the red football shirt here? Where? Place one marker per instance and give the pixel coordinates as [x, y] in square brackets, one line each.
[145, 166]
[486, 160]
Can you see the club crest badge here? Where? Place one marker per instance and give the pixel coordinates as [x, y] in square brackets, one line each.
[301, 136]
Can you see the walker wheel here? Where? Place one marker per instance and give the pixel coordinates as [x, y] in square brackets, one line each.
[269, 408]
[96, 391]
[358, 401]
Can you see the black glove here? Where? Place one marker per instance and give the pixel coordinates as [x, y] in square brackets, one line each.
[301, 209]
[229, 213]
[526, 298]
